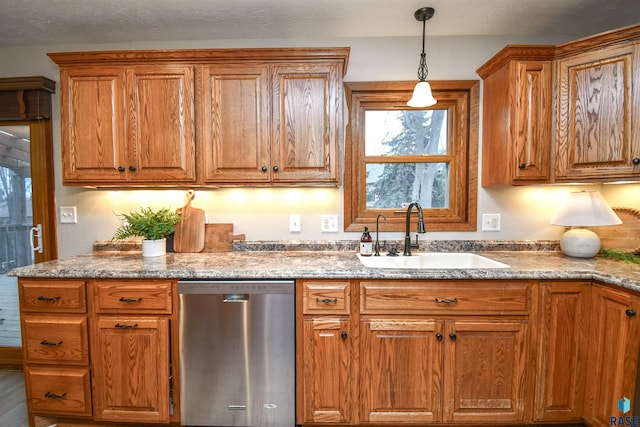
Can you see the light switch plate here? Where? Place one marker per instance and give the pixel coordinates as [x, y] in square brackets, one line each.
[68, 215]
[328, 223]
[294, 223]
[490, 222]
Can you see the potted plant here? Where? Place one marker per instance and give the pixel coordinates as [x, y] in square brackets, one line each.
[152, 225]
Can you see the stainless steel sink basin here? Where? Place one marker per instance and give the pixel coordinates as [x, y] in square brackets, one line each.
[432, 261]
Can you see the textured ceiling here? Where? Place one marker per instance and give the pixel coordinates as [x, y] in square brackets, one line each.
[48, 22]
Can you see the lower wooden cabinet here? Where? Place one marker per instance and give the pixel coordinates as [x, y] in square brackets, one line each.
[563, 349]
[61, 391]
[612, 367]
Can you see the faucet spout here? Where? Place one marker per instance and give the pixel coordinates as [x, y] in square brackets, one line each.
[421, 227]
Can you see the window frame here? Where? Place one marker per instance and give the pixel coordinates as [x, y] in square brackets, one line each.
[462, 100]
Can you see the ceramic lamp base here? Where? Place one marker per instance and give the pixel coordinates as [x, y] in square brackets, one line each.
[580, 243]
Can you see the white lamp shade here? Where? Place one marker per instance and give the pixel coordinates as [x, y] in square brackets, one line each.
[422, 96]
[586, 209]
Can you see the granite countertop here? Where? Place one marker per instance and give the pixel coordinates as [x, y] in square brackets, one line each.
[325, 264]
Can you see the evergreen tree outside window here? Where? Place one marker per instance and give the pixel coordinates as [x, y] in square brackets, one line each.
[395, 155]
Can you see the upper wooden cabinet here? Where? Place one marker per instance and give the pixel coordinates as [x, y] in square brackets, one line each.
[566, 113]
[202, 117]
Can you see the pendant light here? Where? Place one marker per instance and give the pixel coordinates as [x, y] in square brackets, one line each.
[422, 96]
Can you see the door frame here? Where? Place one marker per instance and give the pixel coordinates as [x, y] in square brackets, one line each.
[27, 101]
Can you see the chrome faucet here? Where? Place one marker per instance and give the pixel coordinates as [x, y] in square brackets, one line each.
[421, 228]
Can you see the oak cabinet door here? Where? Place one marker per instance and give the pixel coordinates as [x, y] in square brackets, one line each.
[562, 353]
[130, 358]
[93, 124]
[326, 394]
[235, 125]
[161, 127]
[484, 368]
[401, 370]
[598, 119]
[306, 122]
[613, 362]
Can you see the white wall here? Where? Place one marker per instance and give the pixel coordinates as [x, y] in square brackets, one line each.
[263, 213]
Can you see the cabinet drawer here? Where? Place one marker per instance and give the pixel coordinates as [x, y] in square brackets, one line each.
[61, 296]
[441, 297]
[64, 391]
[61, 340]
[117, 296]
[324, 297]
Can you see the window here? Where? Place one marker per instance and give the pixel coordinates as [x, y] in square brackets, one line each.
[395, 155]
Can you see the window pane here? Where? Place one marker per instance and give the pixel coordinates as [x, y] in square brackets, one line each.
[390, 185]
[405, 132]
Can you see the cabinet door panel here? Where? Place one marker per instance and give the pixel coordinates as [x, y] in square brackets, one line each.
[598, 126]
[613, 363]
[327, 370]
[485, 369]
[92, 116]
[130, 357]
[161, 123]
[236, 124]
[562, 354]
[401, 371]
[307, 114]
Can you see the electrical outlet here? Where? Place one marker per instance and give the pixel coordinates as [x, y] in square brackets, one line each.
[68, 215]
[328, 223]
[490, 222]
[294, 223]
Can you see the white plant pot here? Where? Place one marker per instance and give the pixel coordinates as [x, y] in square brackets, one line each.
[151, 248]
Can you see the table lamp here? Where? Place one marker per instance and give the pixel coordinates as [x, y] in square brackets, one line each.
[583, 209]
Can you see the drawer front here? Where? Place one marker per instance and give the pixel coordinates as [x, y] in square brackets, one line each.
[118, 296]
[441, 297]
[53, 296]
[324, 297]
[64, 391]
[60, 340]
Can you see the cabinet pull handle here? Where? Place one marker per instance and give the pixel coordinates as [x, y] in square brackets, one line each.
[636, 161]
[125, 326]
[522, 166]
[453, 336]
[51, 395]
[343, 335]
[447, 300]
[630, 312]
[439, 336]
[132, 168]
[327, 300]
[130, 300]
[120, 169]
[276, 168]
[264, 168]
[43, 298]
[50, 343]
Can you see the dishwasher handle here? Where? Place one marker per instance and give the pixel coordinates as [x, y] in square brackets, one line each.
[235, 298]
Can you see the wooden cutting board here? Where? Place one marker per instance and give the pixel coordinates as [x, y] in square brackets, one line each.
[189, 234]
[624, 237]
[220, 237]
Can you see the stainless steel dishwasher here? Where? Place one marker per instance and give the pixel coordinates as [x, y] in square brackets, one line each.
[237, 353]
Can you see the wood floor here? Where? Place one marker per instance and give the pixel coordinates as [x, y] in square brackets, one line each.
[13, 408]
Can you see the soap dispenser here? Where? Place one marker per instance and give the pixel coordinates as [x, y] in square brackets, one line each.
[366, 243]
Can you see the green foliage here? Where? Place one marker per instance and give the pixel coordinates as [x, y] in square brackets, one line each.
[620, 256]
[150, 224]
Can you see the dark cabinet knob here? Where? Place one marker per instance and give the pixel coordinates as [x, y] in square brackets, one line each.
[452, 336]
[276, 168]
[636, 161]
[630, 312]
[522, 166]
[120, 169]
[343, 335]
[439, 336]
[264, 168]
[132, 168]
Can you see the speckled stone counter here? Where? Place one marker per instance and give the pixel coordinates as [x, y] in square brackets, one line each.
[544, 265]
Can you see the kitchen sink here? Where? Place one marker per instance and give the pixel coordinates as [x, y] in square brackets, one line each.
[432, 261]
